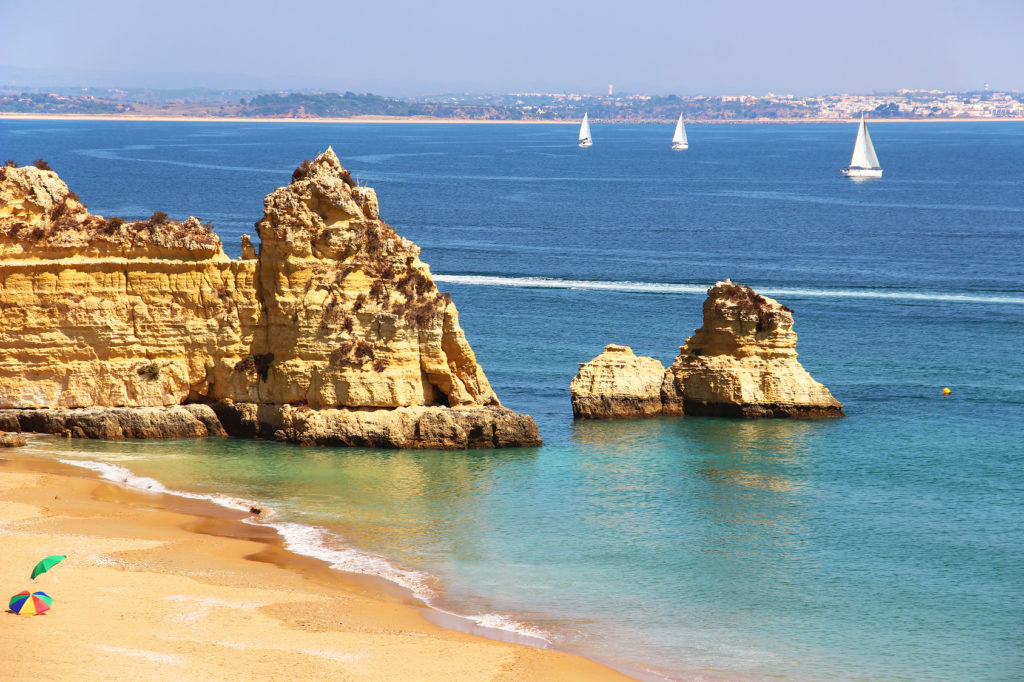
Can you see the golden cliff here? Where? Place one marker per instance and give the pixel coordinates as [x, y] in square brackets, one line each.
[353, 318]
[97, 312]
[741, 363]
[334, 332]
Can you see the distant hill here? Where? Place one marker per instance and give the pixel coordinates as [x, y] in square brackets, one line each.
[204, 103]
[50, 103]
[335, 105]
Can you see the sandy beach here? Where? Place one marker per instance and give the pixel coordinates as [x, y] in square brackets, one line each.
[426, 119]
[258, 119]
[156, 587]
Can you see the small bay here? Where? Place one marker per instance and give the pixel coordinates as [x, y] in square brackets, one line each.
[885, 546]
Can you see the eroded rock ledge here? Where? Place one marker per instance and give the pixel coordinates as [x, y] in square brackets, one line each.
[335, 318]
[402, 427]
[741, 363]
[117, 423]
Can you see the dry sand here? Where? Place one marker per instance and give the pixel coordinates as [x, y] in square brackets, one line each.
[155, 590]
[260, 119]
[428, 119]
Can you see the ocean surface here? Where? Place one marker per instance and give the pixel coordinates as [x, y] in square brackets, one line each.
[885, 546]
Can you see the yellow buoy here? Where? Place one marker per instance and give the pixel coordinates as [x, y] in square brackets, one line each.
[945, 390]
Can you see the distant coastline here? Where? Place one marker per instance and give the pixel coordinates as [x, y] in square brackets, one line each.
[523, 106]
[261, 119]
[157, 118]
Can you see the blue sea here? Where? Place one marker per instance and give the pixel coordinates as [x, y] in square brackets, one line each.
[885, 546]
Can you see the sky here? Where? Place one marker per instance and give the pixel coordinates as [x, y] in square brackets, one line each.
[396, 48]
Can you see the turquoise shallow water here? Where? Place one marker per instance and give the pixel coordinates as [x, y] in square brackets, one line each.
[889, 545]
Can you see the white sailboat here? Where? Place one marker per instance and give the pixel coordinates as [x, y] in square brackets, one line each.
[679, 139]
[864, 163]
[585, 139]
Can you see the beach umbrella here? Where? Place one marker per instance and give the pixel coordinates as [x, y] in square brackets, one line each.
[46, 564]
[30, 603]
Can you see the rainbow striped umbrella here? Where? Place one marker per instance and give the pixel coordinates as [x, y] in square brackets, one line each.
[30, 603]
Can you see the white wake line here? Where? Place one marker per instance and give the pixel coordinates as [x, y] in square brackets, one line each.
[669, 288]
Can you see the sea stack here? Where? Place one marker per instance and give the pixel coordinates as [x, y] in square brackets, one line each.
[333, 332]
[617, 384]
[741, 363]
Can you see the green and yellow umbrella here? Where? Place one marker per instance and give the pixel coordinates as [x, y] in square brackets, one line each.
[46, 564]
[30, 603]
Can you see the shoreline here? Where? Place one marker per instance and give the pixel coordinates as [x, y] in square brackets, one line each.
[186, 574]
[170, 118]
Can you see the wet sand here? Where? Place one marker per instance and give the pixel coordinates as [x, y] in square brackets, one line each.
[157, 587]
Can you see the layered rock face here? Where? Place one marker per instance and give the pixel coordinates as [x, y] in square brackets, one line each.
[97, 312]
[741, 363]
[336, 314]
[617, 384]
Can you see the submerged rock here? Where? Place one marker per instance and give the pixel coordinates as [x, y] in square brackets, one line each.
[12, 440]
[741, 363]
[335, 312]
[617, 384]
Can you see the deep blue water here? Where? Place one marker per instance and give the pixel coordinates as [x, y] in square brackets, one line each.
[886, 546]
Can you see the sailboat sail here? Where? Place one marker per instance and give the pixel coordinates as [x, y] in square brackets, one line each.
[679, 138]
[585, 130]
[863, 151]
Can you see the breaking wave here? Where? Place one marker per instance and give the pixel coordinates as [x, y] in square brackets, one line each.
[119, 474]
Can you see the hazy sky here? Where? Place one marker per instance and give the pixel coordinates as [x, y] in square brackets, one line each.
[401, 48]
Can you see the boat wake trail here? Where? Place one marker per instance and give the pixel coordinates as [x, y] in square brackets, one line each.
[674, 288]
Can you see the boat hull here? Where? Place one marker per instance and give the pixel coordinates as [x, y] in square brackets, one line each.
[862, 172]
[679, 146]
[586, 143]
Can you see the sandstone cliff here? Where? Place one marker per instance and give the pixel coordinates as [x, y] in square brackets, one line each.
[336, 313]
[741, 363]
[353, 318]
[97, 312]
[617, 384]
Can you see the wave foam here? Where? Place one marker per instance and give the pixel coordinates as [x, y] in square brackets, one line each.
[318, 543]
[674, 288]
[321, 544]
[124, 476]
[497, 621]
[119, 474]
